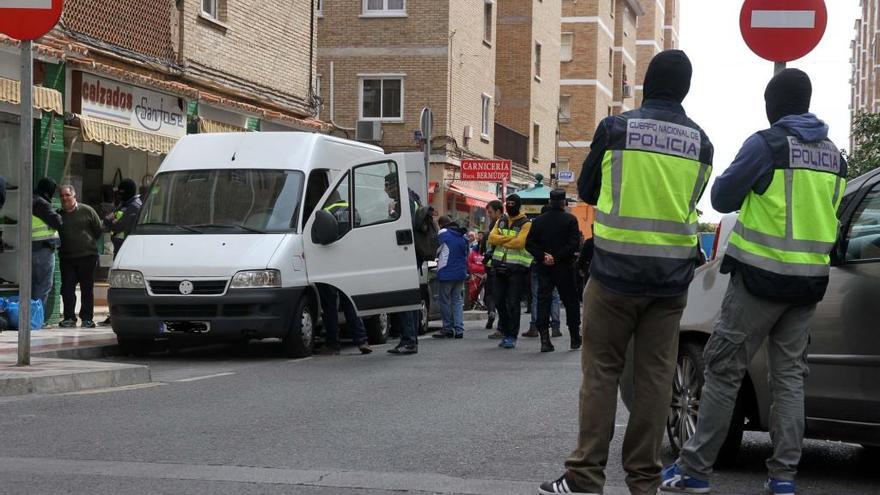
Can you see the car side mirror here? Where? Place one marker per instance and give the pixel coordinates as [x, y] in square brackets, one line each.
[325, 230]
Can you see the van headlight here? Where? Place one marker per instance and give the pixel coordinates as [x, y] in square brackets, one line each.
[126, 279]
[256, 279]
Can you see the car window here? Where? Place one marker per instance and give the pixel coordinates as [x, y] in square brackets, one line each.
[376, 193]
[339, 205]
[864, 231]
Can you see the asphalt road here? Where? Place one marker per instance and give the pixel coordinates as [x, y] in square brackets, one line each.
[461, 417]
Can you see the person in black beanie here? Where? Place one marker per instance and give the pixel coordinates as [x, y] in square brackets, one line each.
[778, 258]
[122, 221]
[646, 171]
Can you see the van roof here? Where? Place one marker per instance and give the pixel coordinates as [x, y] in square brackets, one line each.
[265, 150]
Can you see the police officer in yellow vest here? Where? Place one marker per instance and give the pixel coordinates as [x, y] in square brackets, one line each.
[45, 224]
[646, 170]
[787, 181]
[511, 263]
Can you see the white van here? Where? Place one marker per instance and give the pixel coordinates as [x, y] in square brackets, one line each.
[233, 238]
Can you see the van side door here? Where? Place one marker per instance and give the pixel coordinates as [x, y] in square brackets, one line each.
[370, 255]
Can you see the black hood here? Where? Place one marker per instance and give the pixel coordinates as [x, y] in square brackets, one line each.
[514, 208]
[788, 93]
[127, 189]
[46, 188]
[668, 76]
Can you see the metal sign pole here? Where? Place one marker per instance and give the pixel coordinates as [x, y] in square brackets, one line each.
[25, 187]
[778, 67]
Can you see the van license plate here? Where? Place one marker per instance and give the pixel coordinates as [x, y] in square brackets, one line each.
[187, 326]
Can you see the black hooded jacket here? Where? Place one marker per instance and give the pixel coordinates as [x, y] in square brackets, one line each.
[42, 209]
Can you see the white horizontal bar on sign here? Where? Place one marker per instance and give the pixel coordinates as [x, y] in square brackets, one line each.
[25, 4]
[797, 19]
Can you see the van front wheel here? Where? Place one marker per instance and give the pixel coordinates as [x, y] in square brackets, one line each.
[300, 339]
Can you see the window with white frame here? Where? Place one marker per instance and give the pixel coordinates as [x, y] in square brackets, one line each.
[566, 42]
[382, 98]
[487, 21]
[564, 108]
[211, 8]
[384, 7]
[487, 116]
[536, 142]
[320, 7]
[537, 60]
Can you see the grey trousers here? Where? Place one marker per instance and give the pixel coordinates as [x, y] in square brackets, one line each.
[610, 322]
[746, 321]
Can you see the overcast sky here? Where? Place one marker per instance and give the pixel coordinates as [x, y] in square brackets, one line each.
[727, 91]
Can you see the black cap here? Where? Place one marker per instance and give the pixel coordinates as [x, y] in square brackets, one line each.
[668, 76]
[557, 195]
[788, 93]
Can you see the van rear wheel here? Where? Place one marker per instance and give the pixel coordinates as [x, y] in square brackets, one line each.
[378, 329]
[300, 339]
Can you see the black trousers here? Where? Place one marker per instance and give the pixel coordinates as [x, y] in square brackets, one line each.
[509, 287]
[489, 293]
[562, 278]
[78, 271]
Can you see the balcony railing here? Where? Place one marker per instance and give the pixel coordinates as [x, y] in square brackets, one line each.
[511, 145]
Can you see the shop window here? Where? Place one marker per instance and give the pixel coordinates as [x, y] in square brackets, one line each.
[564, 108]
[565, 47]
[376, 194]
[485, 128]
[339, 205]
[382, 98]
[384, 7]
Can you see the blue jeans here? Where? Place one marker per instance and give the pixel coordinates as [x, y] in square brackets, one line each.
[42, 270]
[452, 306]
[554, 305]
[408, 325]
[330, 303]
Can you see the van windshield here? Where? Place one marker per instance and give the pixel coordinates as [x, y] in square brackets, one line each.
[237, 201]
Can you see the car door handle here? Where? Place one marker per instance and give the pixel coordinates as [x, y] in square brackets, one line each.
[404, 237]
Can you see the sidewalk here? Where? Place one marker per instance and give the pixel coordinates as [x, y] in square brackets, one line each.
[57, 361]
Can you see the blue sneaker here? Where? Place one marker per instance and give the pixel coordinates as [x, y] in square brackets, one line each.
[677, 482]
[777, 487]
[508, 343]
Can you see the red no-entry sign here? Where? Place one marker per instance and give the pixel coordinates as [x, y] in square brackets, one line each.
[782, 30]
[29, 19]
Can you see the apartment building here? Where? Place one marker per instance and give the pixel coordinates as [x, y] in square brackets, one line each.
[606, 48]
[380, 62]
[865, 80]
[527, 85]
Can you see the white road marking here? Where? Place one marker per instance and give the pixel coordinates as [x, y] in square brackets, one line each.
[798, 19]
[197, 378]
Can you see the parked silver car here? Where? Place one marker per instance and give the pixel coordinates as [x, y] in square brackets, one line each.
[842, 397]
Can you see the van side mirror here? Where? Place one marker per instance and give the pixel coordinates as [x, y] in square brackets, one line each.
[325, 230]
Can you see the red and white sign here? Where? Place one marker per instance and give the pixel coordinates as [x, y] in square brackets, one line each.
[130, 106]
[783, 30]
[29, 19]
[485, 170]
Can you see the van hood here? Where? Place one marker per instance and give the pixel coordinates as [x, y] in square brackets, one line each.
[197, 255]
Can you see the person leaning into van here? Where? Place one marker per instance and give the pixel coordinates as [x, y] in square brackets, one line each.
[121, 222]
[511, 262]
[778, 258]
[80, 231]
[45, 224]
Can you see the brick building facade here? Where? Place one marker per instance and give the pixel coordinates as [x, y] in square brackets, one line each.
[865, 61]
[606, 48]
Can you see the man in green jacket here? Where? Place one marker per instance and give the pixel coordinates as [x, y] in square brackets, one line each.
[80, 231]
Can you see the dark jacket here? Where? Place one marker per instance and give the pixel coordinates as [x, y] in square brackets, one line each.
[586, 257]
[453, 253]
[555, 232]
[125, 217]
[43, 210]
[79, 232]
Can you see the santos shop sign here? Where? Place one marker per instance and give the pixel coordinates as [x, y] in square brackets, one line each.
[131, 106]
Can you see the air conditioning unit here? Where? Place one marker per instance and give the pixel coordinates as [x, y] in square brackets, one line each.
[468, 132]
[627, 91]
[368, 131]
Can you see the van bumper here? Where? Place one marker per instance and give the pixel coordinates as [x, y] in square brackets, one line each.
[255, 313]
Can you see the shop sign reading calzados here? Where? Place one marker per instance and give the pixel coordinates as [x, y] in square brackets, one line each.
[130, 106]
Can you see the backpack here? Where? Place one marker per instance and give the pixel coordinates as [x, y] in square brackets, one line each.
[425, 234]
